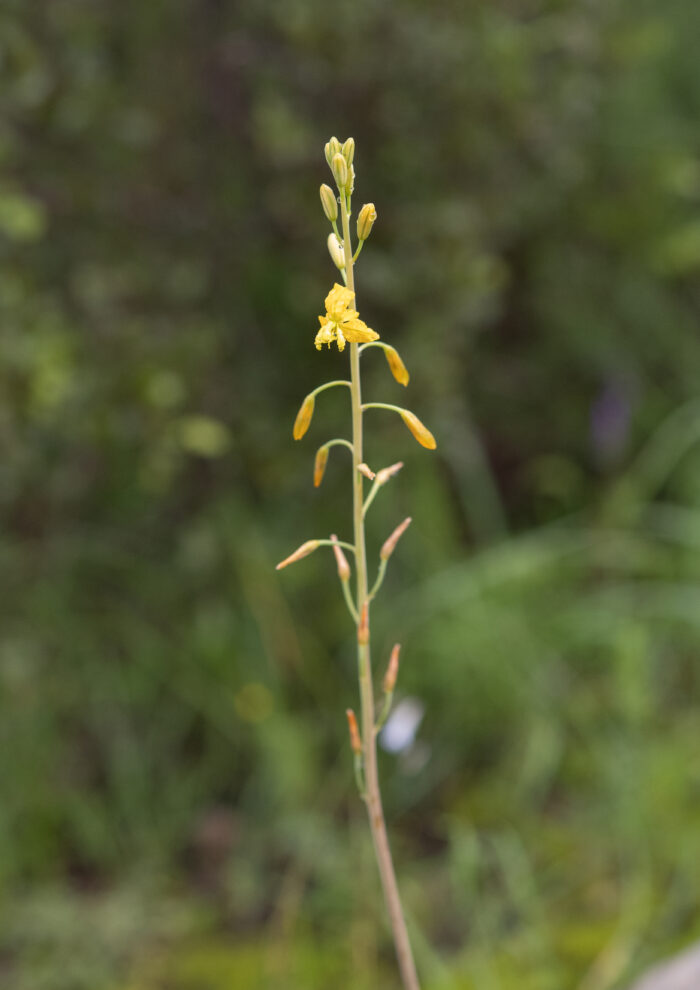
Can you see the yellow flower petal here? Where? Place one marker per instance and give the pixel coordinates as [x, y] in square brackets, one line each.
[357, 332]
[338, 300]
[326, 335]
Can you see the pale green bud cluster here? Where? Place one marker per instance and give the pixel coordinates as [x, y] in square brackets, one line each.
[340, 157]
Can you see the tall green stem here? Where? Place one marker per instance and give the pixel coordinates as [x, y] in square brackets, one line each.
[373, 798]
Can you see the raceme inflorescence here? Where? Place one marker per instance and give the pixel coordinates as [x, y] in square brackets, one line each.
[341, 324]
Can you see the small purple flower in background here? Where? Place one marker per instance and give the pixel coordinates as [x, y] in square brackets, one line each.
[610, 418]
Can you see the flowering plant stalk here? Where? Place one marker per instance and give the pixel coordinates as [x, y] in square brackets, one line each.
[341, 323]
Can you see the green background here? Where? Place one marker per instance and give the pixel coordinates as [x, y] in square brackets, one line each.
[177, 808]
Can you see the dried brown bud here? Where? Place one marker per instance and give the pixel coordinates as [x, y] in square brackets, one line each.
[306, 411]
[339, 168]
[396, 365]
[329, 202]
[363, 627]
[366, 470]
[422, 434]
[390, 544]
[303, 551]
[388, 472]
[320, 464]
[392, 670]
[341, 560]
[365, 221]
[355, 740]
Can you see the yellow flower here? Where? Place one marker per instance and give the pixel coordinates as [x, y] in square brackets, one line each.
[342, 323]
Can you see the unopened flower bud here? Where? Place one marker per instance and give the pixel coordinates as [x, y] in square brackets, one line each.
[303, 551]
[363, 627]
[341, 560]
[392, 670]
[335, 249]
[329, 202]
[348, 150]
[388, 472]
[396, 365]
[339, 168]
[365, 221]
[320, 464]
[422, 434]
[390, 543]
[332, 148]
[366, 470]
[306, 411]
[355, 740]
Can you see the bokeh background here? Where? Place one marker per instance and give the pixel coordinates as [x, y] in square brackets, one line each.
[177, 808]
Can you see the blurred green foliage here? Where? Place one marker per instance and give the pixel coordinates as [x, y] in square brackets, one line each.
[174, 765]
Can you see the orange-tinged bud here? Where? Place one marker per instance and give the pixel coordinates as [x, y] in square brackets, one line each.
[388, 472]
[366, 470]
[329, 202]
[355, 740]
[422, 434]
[396, 365]
[390, 544]
[363, 627]
[341, 560]
[303, 551]
[392, 670]
[320, 464]
[306, 411]
[339, 168]
[365, 221]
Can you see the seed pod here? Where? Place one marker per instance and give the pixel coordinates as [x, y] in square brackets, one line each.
[320, 464]
[348, 150]
[365, 221]
[303, 551]
[390, 544]
[396, 365]
[306, 411]
[335, 249]
[329, 202]
[355, 740]
[339, 168]
[422, 434]
[392, 670]
[341, 560]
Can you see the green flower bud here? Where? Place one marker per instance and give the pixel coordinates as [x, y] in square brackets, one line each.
[332, 148]
[348, 150]
[329, 202]
[365, 221]
[339, 168]
[335, 249]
